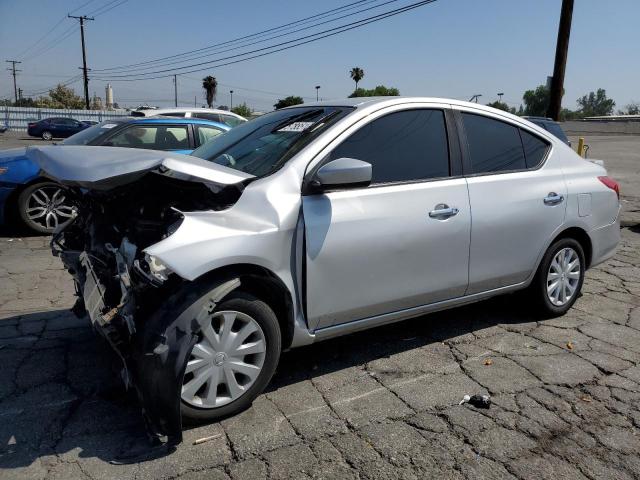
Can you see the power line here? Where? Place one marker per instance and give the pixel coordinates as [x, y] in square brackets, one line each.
[54, 43]
[289, 44]
[102, 10]
[244, 45]
[189, 52]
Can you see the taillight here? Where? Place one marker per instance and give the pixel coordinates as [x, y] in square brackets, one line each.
[612, 184]
[30, 124]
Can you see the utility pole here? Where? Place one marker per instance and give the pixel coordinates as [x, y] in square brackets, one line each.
[14, 71]
[562, 47]
[317, 90]
[175, 90]
[231, 92]
[500, 97]
[84, 57]
[195, 101]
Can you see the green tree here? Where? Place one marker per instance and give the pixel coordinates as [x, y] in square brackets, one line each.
[210, 85]
[356, 74]
[287, 102]
[243, 110]
[631, 109]
[379, 91]
[536, 102]
[596, 104]
[61, 97]
[502, 106]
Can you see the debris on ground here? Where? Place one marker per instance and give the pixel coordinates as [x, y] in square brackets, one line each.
[488, 361]
[570, 345]
[206, 439]
[478, 401]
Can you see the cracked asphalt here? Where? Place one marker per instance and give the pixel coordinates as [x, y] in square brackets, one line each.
[378, 404]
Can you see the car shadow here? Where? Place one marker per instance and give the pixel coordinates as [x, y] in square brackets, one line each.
[81, 406]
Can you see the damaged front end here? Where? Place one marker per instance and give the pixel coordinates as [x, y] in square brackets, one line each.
[121, 209]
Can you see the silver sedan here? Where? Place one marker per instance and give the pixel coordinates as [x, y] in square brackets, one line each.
[317, 221]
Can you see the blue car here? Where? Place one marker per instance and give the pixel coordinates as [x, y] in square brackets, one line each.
[50, 128]
[40, 203]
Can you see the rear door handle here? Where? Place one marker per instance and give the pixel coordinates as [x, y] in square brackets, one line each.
[443, 211]
[553, 199]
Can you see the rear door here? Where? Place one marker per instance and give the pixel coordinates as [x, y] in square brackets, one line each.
[385, 247]
[517, 200]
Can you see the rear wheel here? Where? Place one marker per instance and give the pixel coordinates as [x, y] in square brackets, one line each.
[47, 135]
[559, 278]
[44, 206]
[234, 358]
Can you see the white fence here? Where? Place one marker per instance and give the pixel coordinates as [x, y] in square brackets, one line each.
[17, 118]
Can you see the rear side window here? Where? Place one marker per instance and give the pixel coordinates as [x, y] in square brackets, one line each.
[175, 114]
[402, 146]
[535, 149]
[494, 146]
[556, 130]
[231, 120]
[214, 117]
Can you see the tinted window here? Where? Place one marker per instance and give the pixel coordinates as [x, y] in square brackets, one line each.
[534, 149]
[556, 130]
[494, 146]
[84, 137]
[214, 117]
[401, 146]
[151, 137]
[172, 114]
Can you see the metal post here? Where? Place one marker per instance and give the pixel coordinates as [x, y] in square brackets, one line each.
[231, 92]
[175, 90]
[562, 48]
[84, 58]
[14, 71]
[317, 90]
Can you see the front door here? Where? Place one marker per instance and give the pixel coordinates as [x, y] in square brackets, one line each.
[399, 243]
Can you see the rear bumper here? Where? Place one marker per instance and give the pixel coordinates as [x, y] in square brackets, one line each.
[604, 241]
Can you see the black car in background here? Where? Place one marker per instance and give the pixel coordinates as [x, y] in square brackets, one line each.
[56, 127]
[551, 126]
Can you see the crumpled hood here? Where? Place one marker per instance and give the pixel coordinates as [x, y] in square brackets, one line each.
[103, 168]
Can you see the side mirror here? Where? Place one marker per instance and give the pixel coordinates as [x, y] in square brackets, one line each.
[342, 173]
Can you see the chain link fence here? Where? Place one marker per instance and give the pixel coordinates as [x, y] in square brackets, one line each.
[17, 118]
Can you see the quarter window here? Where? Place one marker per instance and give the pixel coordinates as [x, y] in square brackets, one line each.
[535, 149]
[402, 146]
[206, 133]
[494, 146]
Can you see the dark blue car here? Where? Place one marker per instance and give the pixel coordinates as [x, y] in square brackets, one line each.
[50, 128]
[40, 203]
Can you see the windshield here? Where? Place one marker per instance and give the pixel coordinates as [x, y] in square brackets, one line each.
[88, 135]
[261, 146]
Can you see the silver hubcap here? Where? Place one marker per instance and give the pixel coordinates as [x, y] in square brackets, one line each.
[563, 277]
[225, 362]
[47, 208]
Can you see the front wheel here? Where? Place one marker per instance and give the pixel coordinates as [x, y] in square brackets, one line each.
[233, 359]
[559, 278]
[47, 135]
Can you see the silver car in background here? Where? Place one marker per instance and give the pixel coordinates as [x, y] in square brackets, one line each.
[317, 221]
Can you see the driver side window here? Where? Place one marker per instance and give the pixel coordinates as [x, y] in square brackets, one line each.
[402, 146]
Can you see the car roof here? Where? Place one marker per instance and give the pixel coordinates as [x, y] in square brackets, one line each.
[173, 121]
[161, 111]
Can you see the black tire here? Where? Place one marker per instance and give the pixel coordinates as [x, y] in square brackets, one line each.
[264, 316]
[47, 135]
[538, 288]
[23, 206]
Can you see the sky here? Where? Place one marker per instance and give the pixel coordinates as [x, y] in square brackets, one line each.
[449, 48]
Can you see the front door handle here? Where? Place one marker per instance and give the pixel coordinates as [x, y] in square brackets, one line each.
[443, 211]
[553, 199]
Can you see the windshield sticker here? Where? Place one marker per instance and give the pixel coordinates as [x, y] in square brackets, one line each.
[296, 127]
[109, 125]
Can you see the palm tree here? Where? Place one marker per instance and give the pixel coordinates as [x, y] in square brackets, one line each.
[357, 74]
[210, 85]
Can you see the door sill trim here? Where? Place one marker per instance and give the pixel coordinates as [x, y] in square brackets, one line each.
[392, 317]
